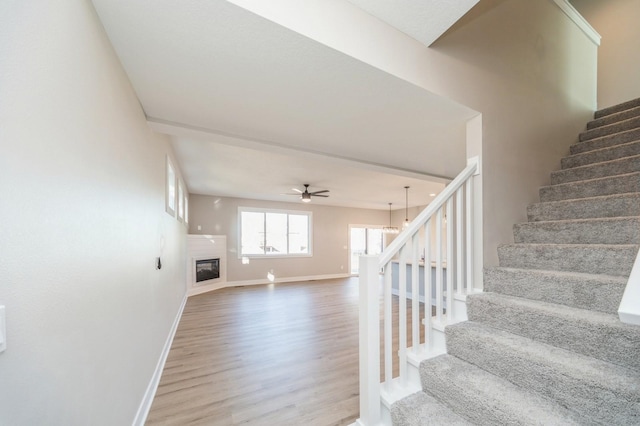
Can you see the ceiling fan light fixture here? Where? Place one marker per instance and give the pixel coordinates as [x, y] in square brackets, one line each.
[306, 196]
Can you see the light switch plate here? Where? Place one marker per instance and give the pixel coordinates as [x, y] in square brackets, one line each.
[3, 331]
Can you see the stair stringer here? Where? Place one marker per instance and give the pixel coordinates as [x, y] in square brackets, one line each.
[398, 391]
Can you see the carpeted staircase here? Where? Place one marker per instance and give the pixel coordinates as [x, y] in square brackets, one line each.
[543, 344]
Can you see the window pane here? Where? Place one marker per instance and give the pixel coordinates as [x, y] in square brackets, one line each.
[276, 233]
[298, 234]
[252, 229]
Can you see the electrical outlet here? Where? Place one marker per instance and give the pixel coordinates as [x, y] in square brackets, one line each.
[3, 331]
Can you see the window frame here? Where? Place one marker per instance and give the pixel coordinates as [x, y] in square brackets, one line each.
[307, 213]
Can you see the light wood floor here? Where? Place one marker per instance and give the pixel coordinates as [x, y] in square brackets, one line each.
[283, 354]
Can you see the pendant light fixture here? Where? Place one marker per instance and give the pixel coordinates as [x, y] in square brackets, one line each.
[390, 229]
[405, 225]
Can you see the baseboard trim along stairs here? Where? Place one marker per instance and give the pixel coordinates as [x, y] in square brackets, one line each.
[544, 344]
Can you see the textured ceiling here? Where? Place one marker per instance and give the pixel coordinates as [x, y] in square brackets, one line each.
[424, 20]
[273, 174]
[219, 68]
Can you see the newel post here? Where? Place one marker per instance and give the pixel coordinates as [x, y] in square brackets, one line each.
[369, 341]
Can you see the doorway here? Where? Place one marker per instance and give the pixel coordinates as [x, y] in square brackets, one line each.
[363, 240]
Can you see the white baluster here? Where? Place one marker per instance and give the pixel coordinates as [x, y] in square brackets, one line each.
[439, 266]
[388, 342]
[415, 293]
[428, 286]
[469, 210]
[449, 224]
[459, 243]
[402, 315]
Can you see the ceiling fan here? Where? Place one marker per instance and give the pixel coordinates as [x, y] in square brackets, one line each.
[305, 195]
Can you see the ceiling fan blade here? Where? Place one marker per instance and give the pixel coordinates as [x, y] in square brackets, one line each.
[319, 192]
[290, 193]
[319, 195]
[297, 190]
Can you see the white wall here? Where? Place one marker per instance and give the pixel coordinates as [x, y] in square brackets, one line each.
[219, 216]
[82, 190]
[618, 56]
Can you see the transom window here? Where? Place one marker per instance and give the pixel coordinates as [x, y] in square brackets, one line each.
[274, 232]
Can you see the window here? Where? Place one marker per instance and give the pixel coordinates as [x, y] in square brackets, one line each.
[170, 189]
[274, 232]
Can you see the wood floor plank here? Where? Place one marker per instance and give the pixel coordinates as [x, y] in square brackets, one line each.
[280, 354]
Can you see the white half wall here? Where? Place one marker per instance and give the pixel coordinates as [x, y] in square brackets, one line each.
[82, 222]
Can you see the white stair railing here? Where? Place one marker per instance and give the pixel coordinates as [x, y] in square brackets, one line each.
[443, 290]
[629, 310]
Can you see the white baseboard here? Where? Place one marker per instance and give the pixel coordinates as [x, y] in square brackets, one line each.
[262, 281]
[206, 288]
[147, 400]
[287, 280]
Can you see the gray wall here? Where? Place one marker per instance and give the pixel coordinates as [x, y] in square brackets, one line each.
[82, 184]
[532, 74]
[618, 56]
[219, 216]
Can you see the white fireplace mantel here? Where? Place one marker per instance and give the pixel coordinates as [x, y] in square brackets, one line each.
[206, 247]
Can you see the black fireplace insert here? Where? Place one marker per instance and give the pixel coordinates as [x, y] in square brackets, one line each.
[207, 269]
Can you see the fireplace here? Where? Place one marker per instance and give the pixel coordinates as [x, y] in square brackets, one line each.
[207, 269]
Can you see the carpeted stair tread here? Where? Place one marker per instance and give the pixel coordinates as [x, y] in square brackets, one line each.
[614, 118]
[620, 184]
[610, 129]
[619, 166]
[590, 333]
[633, 103]
[585, 291]
[612, 141]
[617, 205]
[421, 409]
[599, 155]
[605, 259]
[486, 399]
[617, 230]
[591, 388]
